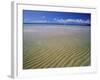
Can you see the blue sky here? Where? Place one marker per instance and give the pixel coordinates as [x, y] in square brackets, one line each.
[49, 17]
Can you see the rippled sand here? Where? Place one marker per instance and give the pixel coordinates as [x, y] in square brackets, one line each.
[55, 46]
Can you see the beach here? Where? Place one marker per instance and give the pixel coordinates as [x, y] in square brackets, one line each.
[56, 46]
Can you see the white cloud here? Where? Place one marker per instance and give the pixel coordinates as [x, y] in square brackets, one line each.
[73, 21]
[55, 20]
[39, 21]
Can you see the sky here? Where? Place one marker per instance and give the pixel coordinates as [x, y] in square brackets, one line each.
[50, 17]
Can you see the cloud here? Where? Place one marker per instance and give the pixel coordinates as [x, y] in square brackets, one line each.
[78, 21]
[62, 21]
[39, 21]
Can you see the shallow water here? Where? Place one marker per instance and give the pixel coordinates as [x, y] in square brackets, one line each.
[52, 46]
